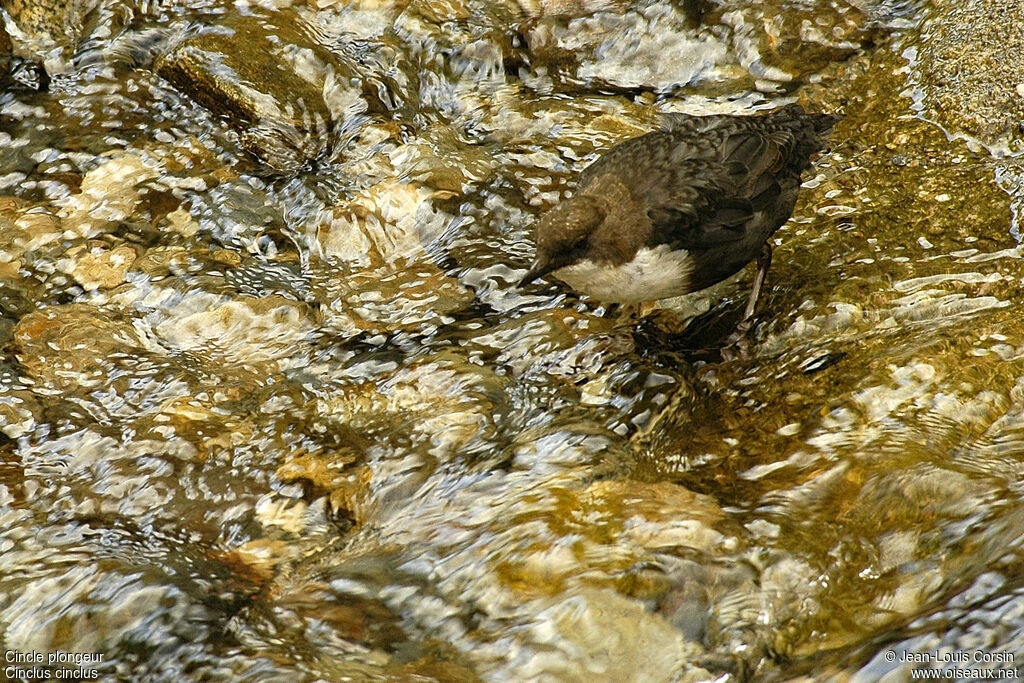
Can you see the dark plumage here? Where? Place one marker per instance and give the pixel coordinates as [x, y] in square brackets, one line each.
[680, 208]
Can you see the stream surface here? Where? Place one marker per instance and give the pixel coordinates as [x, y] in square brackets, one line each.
[272, 407]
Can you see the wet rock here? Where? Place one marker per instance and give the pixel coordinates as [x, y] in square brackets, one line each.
[17, 73]
[673, 45]
[5, 54]
[244, 71]
[782, 42]
[575, 8]
[559, 343]
[434, 668]
[101, 268]
[285, 95]
[390, 221]
[181, 222]
[363, 620]
[251, 332]
[25, 231]
[910, 183]
[565, 547]
[394, 298]
[110, 193]
[969, 74]
[256, 560]
[197, 421]
[15, 301]
[53, 21]
[979, 623]
[441, 159]
[660, 515]
[29, 75]
[664, 53]
[159, 262]
[646, 647]
[66, 347]
[368, 153]
[762, 609]
[445, 401]
[439, 11]
[331, 474]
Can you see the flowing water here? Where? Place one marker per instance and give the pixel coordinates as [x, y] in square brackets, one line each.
[273, 408]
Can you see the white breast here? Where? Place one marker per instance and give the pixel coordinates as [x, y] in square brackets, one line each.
[653, 274]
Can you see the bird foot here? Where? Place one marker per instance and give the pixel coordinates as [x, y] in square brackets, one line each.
[737, 345]
[634, 311]
[646, 308]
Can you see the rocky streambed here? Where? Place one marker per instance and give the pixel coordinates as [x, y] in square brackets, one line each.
[272, 407]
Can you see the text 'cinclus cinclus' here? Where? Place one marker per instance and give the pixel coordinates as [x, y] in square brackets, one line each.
[681, 208]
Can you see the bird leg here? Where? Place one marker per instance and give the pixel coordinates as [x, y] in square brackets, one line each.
[764, 261]
[631, 312]
[735, 344]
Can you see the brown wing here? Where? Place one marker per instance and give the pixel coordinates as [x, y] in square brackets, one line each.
[701, 191]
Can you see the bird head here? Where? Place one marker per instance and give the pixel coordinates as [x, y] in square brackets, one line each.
[562, 235]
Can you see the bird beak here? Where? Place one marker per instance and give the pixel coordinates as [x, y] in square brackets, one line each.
[537, 271]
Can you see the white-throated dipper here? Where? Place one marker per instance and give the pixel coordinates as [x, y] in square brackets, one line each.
[681, 208]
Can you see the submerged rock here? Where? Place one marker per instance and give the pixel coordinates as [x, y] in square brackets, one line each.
[414, 296]
[665, 51]
[269, 81]
[969, 72]
[25, 230]
[783, 41]
[66, 347]
[5, 54]
[109, 193]
[390, 221]
[54, 21]
[674, 45]
[332, 474]
[261, 332]
[544, 8]
[102, 268]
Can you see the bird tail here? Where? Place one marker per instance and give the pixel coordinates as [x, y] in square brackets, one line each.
[794, 113]
[809, 131]
[823, 122]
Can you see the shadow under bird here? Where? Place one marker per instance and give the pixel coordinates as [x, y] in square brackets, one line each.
[681, 208]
